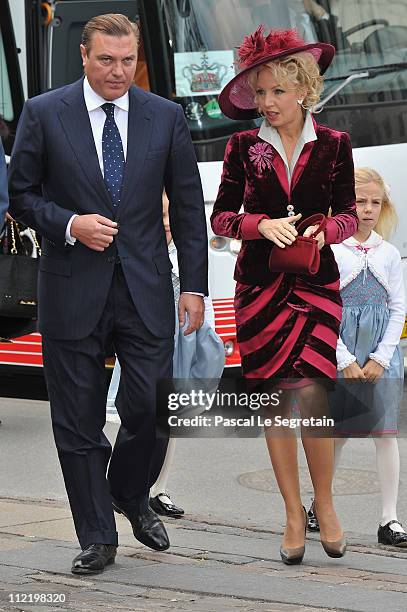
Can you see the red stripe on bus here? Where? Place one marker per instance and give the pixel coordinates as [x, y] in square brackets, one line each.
[27, 347]
[20, 359]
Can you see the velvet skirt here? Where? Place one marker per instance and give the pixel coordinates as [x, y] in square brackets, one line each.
[288, 330]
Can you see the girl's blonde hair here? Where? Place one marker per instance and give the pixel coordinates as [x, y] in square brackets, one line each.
[388, 219]
[300, 70]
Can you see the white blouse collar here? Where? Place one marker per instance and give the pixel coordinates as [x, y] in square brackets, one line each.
[270, 134]
[374, 240]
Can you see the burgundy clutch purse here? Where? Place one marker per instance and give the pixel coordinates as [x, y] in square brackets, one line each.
[302, 256]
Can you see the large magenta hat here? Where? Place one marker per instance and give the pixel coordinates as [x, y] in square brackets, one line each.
[236, 100]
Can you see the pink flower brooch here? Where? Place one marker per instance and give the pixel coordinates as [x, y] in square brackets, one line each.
[261, 154]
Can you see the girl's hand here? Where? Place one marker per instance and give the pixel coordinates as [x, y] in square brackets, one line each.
[280, 231]
[320, 238]
[353, 372]
[372, 371]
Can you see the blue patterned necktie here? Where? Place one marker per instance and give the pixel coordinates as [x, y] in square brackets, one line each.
[113, 155]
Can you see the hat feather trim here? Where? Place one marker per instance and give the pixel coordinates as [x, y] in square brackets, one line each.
[255, 46]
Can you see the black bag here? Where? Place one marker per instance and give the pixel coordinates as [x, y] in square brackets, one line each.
[18, 273]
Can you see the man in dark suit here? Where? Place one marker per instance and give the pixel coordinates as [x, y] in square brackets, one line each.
[88, 169]
[3, 188]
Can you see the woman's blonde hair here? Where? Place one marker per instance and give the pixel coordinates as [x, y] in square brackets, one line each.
[301, 70]
[388, 216]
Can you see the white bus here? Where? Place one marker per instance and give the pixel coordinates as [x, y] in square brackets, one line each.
[188, 55]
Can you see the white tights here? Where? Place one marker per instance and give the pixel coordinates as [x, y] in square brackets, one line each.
[388, 472]
[160, 486]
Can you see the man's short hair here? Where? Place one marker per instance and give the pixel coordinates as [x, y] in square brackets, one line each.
[112, 24]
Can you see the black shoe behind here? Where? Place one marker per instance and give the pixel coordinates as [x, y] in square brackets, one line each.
[386, 535]
[312, 521]
[94, 558]
[147, 528]
[164, 509]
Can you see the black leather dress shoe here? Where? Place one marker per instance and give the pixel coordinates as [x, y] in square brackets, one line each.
[165, 509]
[147, 528]
[94, 558]
[386, 535]
[312, 521]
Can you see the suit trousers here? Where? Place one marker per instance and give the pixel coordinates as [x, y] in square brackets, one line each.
[77, 388]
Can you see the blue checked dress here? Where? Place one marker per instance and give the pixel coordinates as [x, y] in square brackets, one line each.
[362, 409]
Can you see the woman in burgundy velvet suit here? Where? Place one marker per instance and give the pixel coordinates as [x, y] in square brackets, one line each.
[287, 324]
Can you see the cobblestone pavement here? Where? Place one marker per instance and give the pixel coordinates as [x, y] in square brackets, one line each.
[209, 567]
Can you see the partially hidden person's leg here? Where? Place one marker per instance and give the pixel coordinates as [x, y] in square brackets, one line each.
[319, 452]
[76, 381]
[339, 443]
[160, 485]
[111, 412]
[160, 500]
[282, 448]
[114, 384]
[388, 471]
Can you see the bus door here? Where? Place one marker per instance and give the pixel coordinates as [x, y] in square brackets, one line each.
[11, 89]
[69, 18]
[11, 103]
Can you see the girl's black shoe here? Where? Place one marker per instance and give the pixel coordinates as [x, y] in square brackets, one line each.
[312, 521]
[386, 535]
[164, 508]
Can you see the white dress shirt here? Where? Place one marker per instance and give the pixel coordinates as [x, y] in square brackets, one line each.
[97, 118]
[270, 134]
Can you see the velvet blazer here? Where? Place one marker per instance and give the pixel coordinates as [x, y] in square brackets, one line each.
[254, 177]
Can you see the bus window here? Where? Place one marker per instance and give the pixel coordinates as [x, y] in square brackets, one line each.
[6, 103]
[373, 40]
[371, 33]
[11, 91]
[366, 34]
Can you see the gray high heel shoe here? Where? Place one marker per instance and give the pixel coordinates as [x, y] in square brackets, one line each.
[335, 549]
[294, 556]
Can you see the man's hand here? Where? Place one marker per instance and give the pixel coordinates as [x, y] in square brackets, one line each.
[94, 231]
[372, 371]
[353, 373]
[280, 231]
[320, 238]
[195, 307]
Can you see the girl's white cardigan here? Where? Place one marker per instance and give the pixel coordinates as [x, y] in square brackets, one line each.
[383, 260]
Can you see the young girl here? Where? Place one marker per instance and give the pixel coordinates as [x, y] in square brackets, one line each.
[368, 350]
